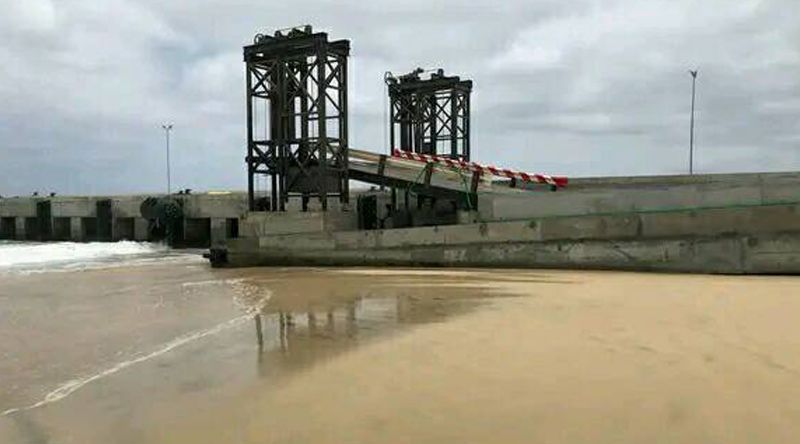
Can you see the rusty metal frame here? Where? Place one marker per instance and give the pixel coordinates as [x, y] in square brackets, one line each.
[300, 79]
[430, 116]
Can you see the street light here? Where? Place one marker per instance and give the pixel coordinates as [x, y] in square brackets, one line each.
[167, 128]
[691, 124]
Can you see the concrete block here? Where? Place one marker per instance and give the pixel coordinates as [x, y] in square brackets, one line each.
[218, 231]
[666, 255]
[267, 224]
[774, 219]
[140, 229]
[455, 255]
[244, 245]
[467, 217]
[465, 234]
[297, 242]
[393, 256]
[719, 194]
[489, 232]
[668, 180]
[410, 236]
[658, 193]
[214, 205]
[694, 223]
[18, 207]
[589, 227]
[561, 203]
[486, 207]
[74, 206]
[356, 239]
[500, 255]
[779, 187]
[720, 221]
[20, 228]
[340, 220]
[522, 231]
[76, 229]
[778, 253]
[780, 194]
[127, 206]
[715, 255]
[427, 256]
[720, 254]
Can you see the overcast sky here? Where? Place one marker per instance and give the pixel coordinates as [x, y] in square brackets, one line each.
[570, 87]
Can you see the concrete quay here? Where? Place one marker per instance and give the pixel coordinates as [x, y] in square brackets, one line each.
[208, 218]
[758, 239]
[744, 223]
[600, 195]
[718, 223]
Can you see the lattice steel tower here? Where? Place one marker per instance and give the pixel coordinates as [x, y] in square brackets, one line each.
[430, 116]
[297, 117]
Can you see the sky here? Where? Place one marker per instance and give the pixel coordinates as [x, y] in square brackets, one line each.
[578, 87]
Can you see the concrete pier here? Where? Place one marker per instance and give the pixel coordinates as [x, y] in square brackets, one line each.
[744, 223]
[759, 239]
[644, 193]
[209, 218]
[724, 223]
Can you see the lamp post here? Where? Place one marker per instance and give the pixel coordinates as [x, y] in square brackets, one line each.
[167, 128]
[693, 73]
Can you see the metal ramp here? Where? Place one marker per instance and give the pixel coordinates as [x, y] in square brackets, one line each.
[439, 176]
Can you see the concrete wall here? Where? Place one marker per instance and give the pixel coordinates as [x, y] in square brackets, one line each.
[654, 193]
[18, 207]
[200, 206]
[74, 217]
[74, 206]
[755, 254]
[680, 223]
[209, 217]
[762, 239]
[255, 225]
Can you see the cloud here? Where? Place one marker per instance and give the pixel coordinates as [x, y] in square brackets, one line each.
[583, 87]
[34, 16]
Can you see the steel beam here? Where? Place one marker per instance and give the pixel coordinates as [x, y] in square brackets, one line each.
[299, 79]
[430, 116]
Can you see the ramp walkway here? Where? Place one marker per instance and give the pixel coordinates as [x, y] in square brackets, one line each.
[441, 176]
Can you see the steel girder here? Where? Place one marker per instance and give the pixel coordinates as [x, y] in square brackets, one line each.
[430, 116]
[300, 141]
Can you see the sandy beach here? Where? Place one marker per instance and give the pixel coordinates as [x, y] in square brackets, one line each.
[166, 351]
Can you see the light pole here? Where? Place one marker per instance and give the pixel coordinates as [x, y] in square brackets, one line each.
[691, 124]
[167, 128]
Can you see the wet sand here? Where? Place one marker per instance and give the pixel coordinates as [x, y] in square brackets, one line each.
[168, 353]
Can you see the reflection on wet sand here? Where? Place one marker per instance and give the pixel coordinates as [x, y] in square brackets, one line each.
[363, 355]
[301, 318]
[579, 357]
[313, 320]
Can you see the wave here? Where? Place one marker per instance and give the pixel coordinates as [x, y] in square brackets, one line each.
[52, 256]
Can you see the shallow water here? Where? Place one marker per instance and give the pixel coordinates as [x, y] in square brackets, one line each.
[38, 257]
[166, 351]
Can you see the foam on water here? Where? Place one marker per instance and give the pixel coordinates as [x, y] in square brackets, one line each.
[53, 256]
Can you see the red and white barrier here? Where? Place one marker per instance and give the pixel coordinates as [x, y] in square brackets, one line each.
[559, 181]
